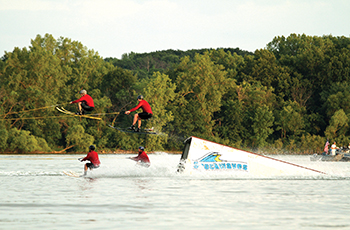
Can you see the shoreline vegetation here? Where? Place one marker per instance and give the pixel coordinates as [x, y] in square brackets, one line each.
[111, 152]
[84, 153]
[288, 98]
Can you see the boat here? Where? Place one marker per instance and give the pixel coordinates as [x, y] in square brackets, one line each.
[201, 155]
[340, 156]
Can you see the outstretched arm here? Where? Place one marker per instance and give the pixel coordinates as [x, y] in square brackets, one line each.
[133, 158]
[136, 108]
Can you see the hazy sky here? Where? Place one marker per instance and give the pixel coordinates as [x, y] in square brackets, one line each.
[115, 27]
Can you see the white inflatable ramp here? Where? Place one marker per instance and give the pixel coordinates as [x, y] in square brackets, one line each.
[201, 155]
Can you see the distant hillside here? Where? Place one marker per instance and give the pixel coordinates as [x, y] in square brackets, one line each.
[144, 64]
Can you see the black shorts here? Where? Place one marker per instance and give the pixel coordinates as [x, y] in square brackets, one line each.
[145, 115]
[86, 107]
[92, 166]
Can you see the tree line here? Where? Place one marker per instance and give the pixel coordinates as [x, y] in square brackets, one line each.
[288, 97]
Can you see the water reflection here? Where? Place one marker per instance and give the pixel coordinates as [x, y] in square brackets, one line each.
[143, 184]
[87, 184]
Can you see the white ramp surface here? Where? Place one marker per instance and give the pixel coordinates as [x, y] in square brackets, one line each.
[202, 155]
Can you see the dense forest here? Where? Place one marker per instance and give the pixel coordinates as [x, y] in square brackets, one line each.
[289, 97]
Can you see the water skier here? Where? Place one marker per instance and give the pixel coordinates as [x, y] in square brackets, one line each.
[85, 103]
[92, 156]
[146, 113]
[142, 159]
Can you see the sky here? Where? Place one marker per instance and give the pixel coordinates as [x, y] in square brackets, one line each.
[116, 27]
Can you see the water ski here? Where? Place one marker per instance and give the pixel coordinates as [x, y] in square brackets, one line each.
[142, 131]
[71, 174]
[63, 110]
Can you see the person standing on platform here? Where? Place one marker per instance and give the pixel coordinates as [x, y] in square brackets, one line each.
[334, 149]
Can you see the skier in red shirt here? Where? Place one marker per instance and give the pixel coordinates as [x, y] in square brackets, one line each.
[85, 103]
[142, 159]
[92, 156]
[146, 113]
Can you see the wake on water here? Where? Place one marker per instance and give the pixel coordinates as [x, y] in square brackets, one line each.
[165, 165]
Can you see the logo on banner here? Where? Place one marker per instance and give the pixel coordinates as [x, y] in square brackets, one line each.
[213, 161]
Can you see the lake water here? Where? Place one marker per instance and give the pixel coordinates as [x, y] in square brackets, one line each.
[36, 194]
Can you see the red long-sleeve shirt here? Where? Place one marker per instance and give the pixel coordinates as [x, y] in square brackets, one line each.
[92, 156]
[142, 157]
[88, 100]
[144, 105]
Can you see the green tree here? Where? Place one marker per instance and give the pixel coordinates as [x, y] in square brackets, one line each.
[119, 85]
[335, 98]
[32, 80]
[338, 125]
[77, 138]
[51, 72]
[3, 140]
[262, 123]
[314, 62]
[312, 144]
[233, 63]
[243, 106]
[230, 121]
[290, 120]
[200, 86]
[21, 141]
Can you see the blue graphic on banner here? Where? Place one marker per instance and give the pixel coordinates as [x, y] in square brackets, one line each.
[212, 161]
